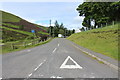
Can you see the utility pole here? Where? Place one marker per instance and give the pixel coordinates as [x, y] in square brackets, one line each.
[53, 31]
[50, 28]
[50, 22]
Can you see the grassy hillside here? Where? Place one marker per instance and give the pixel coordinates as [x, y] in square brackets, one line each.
[15, 28]
[8, 17]
[102, 40]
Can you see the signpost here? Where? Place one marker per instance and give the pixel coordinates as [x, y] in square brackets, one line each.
[33, 31]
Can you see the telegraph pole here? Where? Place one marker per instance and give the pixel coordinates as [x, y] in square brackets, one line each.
[50, 28]
[53, 31]
[50, 22]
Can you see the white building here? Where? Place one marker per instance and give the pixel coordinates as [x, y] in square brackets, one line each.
[77, 30]
[60, 35]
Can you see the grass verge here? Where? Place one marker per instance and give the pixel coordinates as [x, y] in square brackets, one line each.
[102, 40]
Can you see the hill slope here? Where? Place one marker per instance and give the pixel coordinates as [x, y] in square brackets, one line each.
[102, 40]
[15, 28]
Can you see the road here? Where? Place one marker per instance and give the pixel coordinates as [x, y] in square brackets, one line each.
[56, 59]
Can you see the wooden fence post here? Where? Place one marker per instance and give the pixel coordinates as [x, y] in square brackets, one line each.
[24, 43]
[32, 42]
[12, 46]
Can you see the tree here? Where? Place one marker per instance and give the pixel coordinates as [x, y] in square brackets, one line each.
[99, 12]
[56, 24]
[69, 32]
[73, 31]
[82, 29]
[61, 26]
[59, 29]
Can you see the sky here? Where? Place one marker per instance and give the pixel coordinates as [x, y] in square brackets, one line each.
[42, 12]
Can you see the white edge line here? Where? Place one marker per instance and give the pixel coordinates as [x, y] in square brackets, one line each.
[58, 44]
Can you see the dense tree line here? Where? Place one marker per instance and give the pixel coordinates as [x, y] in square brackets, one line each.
[59, 29]
[100, 13]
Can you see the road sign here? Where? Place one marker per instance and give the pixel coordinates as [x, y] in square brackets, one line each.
[73, 66]
[33, 31]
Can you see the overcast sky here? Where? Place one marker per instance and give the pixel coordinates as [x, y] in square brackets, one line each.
[42, 12]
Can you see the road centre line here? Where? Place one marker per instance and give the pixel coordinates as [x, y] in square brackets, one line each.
[36, 69]
[38, 66]
[58, 45]
[54, 50]
[0, 78]
[30, 74]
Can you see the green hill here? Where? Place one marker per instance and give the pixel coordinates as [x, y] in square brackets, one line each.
[8, 17]
[102, 40]
[15, 28]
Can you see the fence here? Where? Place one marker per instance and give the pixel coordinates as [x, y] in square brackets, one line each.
[112, 23]
[21, 44]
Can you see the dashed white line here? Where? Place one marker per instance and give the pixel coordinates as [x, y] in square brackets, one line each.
[41, 75]
[58, 44]
[54, 50]
[52, 77]
[59, 77]
[44, 60]
[39, 65]
[30, 74]
[0, 78]
[36, 68]
[92, 77]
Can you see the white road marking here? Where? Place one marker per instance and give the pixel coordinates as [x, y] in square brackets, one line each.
[54, 50]
[55, 77]
[70, 66]
[38, 66]
[41, 75]
[29, 50]
[30, 74]
[58, 44]
[92, 77]
[59, 77]
[0, 78]
[44, 60]
[52, 77]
